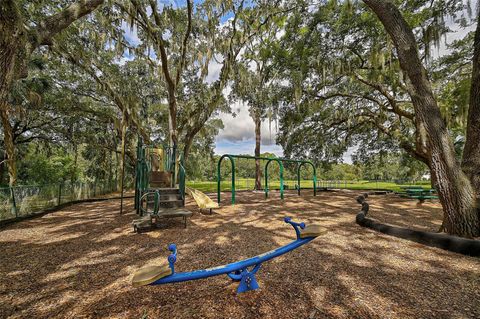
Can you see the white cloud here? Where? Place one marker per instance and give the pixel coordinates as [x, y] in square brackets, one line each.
[214, 69]
[242, 128]
[246, 147]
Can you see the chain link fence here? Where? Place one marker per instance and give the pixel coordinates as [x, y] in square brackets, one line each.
[21, 201]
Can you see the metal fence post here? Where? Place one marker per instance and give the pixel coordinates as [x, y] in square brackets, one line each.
[14, 204]
[59, 194]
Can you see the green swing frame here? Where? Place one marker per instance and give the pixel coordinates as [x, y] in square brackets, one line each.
[280, 161]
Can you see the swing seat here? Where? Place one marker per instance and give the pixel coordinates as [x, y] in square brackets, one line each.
[312, 231]
[150, 274]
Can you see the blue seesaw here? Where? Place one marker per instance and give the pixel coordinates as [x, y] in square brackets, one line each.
[243, 271]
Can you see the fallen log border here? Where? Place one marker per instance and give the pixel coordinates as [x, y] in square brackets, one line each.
[470, 247]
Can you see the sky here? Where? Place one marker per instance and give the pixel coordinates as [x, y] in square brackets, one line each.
[237, 136]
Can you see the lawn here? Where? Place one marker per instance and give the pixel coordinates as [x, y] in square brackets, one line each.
[248, 184]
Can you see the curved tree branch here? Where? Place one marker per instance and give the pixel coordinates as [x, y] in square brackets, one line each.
[56, 23]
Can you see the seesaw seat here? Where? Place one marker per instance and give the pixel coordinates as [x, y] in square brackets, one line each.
[149, 274]
[312, 231]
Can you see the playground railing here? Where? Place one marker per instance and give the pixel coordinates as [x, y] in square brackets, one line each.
[169, 160]
[22, 201]
[181, 180]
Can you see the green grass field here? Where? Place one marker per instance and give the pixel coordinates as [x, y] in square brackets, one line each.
[248, 184]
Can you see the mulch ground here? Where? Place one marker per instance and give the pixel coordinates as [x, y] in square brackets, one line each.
[78, 263]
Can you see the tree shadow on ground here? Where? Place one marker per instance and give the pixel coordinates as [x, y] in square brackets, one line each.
[79, 262]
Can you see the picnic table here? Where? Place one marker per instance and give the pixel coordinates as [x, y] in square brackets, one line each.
[420, 193]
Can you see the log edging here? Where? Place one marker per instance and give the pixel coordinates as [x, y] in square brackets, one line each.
[470, 247]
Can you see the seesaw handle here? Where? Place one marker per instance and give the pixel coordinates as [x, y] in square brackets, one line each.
[173, 256]
[295, 225]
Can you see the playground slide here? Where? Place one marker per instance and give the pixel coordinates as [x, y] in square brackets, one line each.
[203, 201]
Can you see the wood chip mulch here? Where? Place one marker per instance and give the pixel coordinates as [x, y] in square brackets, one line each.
[78, 263]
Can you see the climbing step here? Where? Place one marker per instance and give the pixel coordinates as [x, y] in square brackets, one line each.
[164, 190]
[171, 203]
[166, 197]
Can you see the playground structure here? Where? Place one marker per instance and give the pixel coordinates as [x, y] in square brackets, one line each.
[157, 194]
[237, 271]
[280, 161]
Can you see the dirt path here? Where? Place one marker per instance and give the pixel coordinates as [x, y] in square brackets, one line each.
[78, 263]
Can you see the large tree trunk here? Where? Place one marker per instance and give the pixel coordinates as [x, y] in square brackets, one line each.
[122, 167]
[3, 158]
[455, 190]
[258, 139]
[471, 152]
[73, 175]
[172, 129]
[9, 145]
[11, 34]
[172, 115]
[187, 145]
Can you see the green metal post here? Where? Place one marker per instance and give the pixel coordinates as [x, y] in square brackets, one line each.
[266, 180]
[138, 173]
[299, 166]
[156, 202]
[219, 179]
[281, 179]
[279, 161]
[314, 179]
